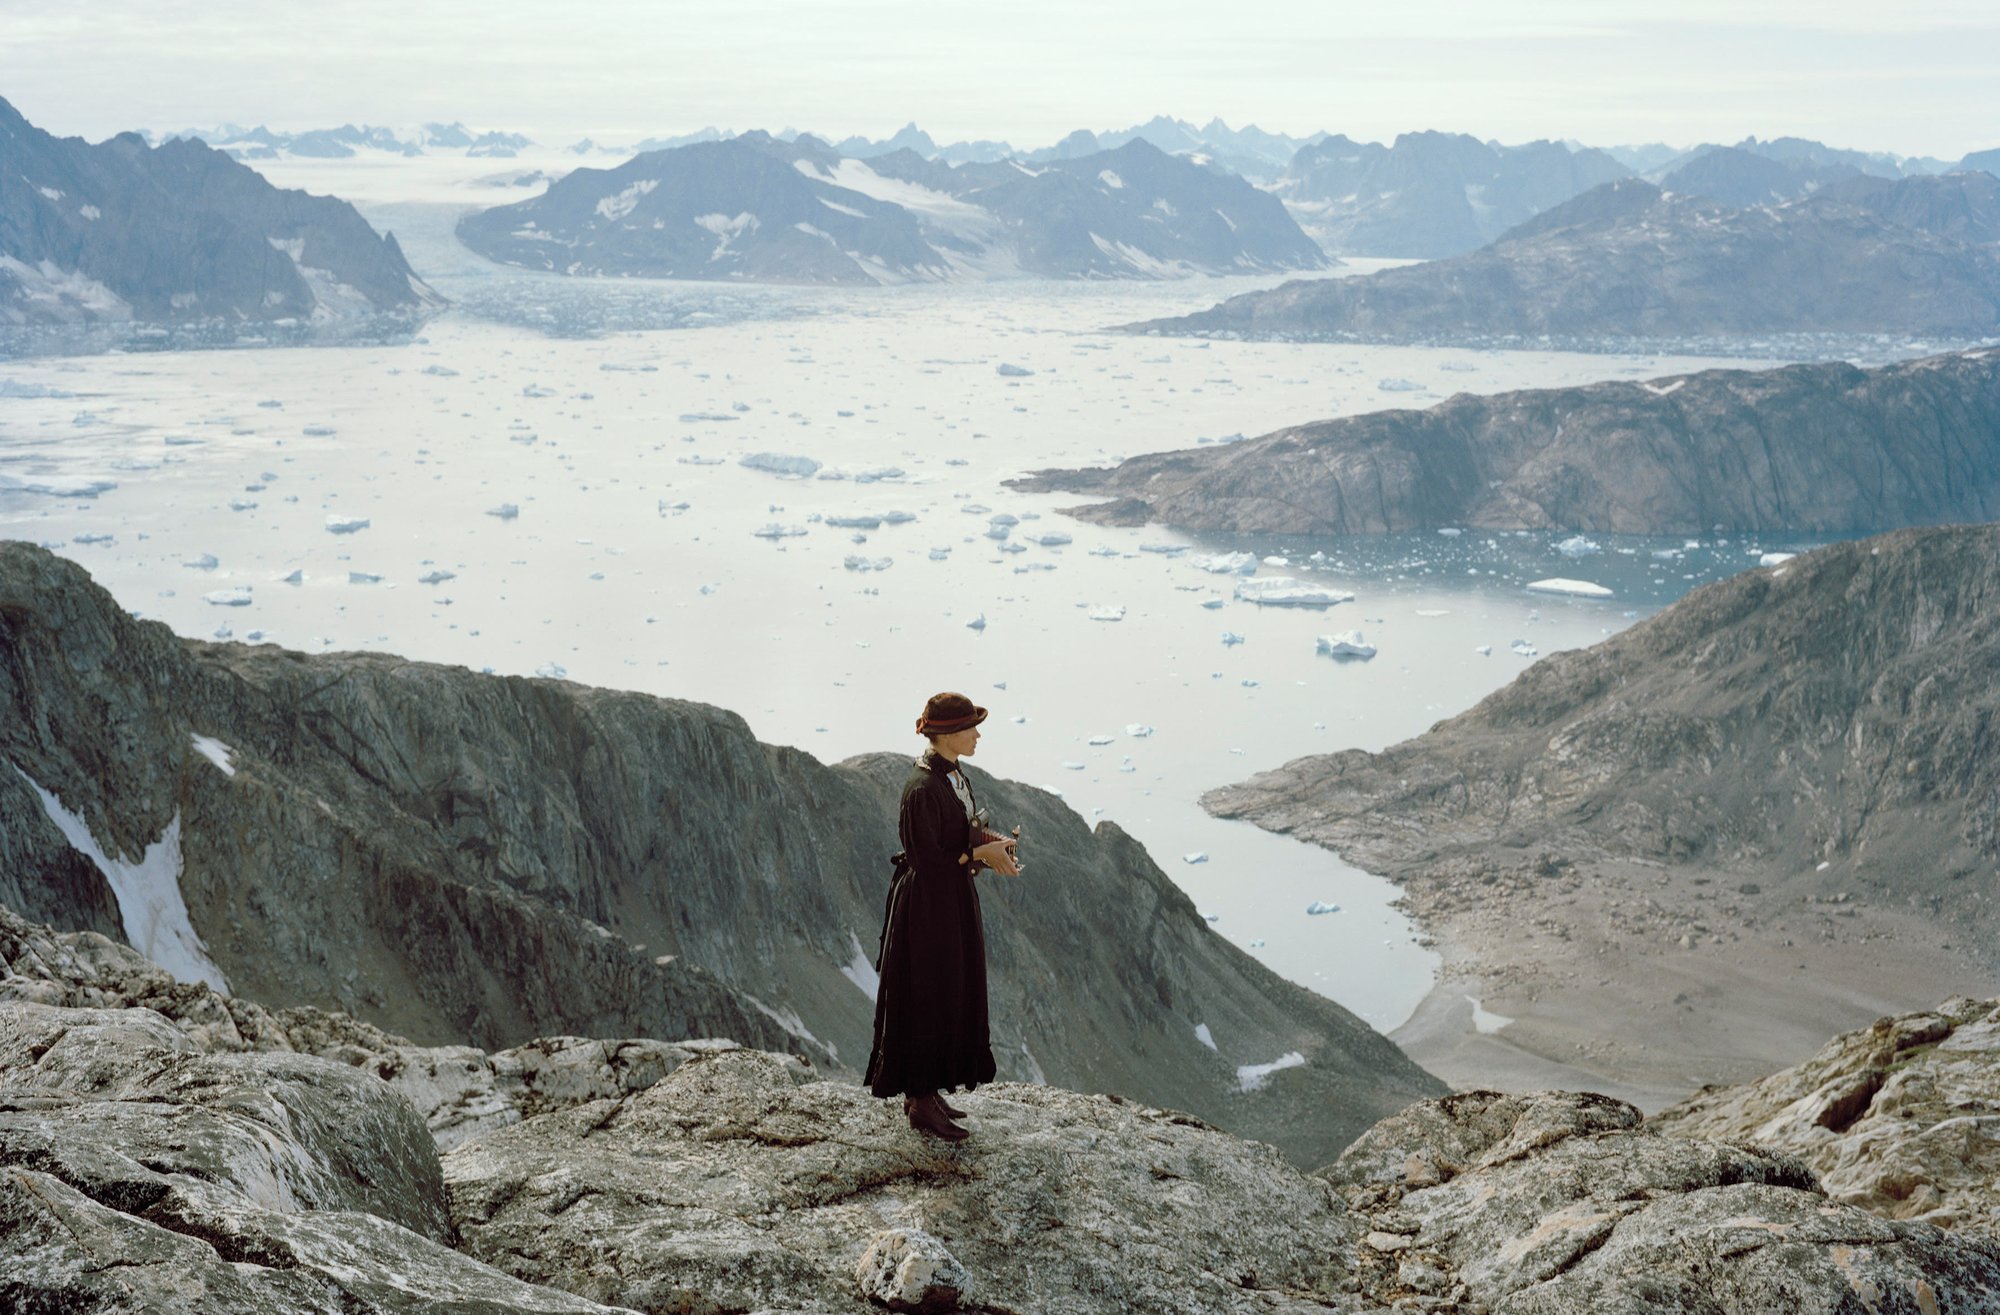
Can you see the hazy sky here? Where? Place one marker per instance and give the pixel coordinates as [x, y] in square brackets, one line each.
[1915, 78]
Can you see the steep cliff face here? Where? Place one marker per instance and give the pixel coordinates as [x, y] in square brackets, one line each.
[461, 858]
[180, 233]
[1626, 261]
[1838, 707]
[1821, 449]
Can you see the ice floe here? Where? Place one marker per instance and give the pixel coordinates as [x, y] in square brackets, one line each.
[1579, 546]
[1346, 644]
[1572, 588]
[1284, 591]
[346, 524]
[237, 597]
[778, 463]
[1318, 907]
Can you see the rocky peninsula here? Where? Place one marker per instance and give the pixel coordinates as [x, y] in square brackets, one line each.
[1768, 813]
[166, 1147]
[1811, 449]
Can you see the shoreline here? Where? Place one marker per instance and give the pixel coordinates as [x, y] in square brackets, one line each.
[1645, 982]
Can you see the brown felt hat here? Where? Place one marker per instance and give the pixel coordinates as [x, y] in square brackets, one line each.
[946, 713]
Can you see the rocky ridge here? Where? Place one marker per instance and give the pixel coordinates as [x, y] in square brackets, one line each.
[1626, 263]
[1901, 1118]
[759, 208]
[465, 859]
[1815, 449]
[181, 233]
[146, 1161]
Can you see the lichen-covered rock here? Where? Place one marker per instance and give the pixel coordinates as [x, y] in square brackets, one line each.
[1564, 1204]
[139, 1173]
[739, 1182]
[908, 1269]
[1901, 1118]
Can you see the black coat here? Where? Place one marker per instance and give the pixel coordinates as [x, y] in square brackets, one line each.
[930, 1008]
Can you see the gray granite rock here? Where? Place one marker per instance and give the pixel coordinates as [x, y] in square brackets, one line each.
[1563, 1204]
[1901, 1118]
[739, 1183]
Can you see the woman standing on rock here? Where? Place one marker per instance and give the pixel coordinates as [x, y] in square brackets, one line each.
[930, 1008]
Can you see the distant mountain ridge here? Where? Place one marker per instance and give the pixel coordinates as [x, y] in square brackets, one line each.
[180, 233]
[1814, 449]
[758, 208]
[1627, 261]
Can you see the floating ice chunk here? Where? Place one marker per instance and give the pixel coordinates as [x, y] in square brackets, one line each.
[868, 563]
[1003, 518]
[1573, 588]
[1211, 917]
[1196, 856]
[1202, 1034]
[552, 671]
[58, 486]
[346, 524]
[96, 538]
[855, 522]
[1048, 538]
[1524, 648]
[1284, 591]
[1249, 682]
[1318, 907]
[1099, 741]
[1211, 603]
[215, 751]
[1112, 613]
[1164, 549]
[537, 390]
[237, 597]
[898, 517]
[705, 417]
[940, 554]
[1450, 532]
[296, 576]
[363, 577]
[208, 561]
[1230, 637]
[1398, 385]
[878, 474]
[1073, 766]
[318, 431]
[1016, 547]
[956, 461]
[1228, 563]
[1138, 730]
[1008, 370]
[779, 463]
[1251, 1077]
[506, 511]
[777, 531]
[977, 622]
[698, 460]
[1484, 650]
[1346, 644]
[1578, 546]
[441, 371]
[1104, 551]
[1775, 558]
[1277, 561]
[998, 531]
[436, 577]
[975, 509]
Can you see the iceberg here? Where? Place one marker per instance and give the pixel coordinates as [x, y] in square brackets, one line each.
[436, 577]
[1107, 614]
[1573, 588]
[1578, 546]
[1284, 591]
[777, 463]
[206, 562]
[1229, 563]
[1347, 644]
[1138, 730]
[1048, 538]
[1007, 370]
[1775, 558]
[856, 522]
[1098, 741]
[1318, 907]
[506, 511]
[777, 531]
[1198, 856]
[1230, 637]
[237, 597]
[868, 563]
[977, 622]
[345, 524]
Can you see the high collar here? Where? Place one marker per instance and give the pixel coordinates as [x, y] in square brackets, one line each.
[937, 763]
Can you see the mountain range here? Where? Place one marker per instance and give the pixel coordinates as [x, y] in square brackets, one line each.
[757, 207]
[180, 233]
[1629, 261]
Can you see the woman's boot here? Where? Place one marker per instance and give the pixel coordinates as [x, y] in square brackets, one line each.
[926, 1114]
[949, 1108]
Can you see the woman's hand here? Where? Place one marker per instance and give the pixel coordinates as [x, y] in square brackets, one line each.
[999, 855]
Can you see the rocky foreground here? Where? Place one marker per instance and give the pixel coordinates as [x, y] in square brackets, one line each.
[471, 859]
[1811, 449]
[163, 1147]
[1629, 262]
[1696, 848]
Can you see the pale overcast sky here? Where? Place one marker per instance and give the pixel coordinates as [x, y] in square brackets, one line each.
[1915, 78]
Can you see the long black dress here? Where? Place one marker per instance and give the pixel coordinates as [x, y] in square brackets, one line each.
[930, 1009]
